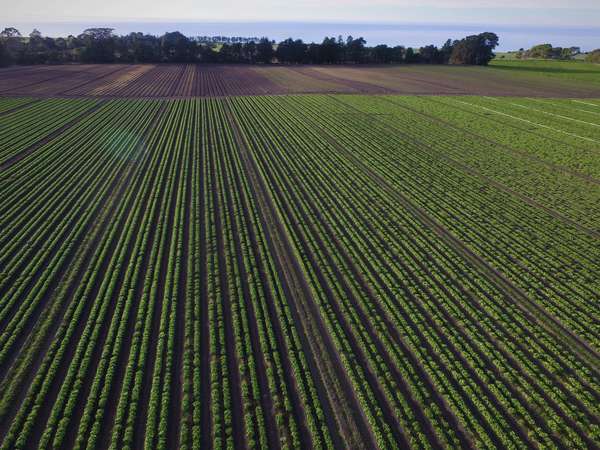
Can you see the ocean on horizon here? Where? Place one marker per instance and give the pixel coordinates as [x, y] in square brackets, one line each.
[409, 35]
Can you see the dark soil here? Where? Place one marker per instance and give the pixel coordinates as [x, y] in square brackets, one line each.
[165, 81]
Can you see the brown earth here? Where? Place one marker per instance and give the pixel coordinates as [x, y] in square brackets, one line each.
[195, 80]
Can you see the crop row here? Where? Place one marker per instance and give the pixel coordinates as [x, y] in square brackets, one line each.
[294, 141]
[7, 104]
[148, 298]
[542, 143]
[282, 272]
[486, 153]
[22, 128]
[537, 252]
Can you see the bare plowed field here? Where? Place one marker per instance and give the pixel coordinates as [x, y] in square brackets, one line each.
[191, 80]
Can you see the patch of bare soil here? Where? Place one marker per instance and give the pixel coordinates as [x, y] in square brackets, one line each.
[196, 80]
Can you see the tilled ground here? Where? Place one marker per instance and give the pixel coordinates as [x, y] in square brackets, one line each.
[190, 80]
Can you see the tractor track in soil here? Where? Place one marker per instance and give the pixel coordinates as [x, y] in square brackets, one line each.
[14, 109]
[297, 407]
[347, 410]
[265, 400]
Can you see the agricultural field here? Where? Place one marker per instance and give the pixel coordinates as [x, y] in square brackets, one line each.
[219, 268]
[502, 78]
[566, 73]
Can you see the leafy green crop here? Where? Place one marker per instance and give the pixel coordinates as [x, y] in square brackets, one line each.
[316, 271]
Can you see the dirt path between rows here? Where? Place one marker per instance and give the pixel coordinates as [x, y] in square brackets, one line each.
[53, 135]
[344, 405]
[19, 107]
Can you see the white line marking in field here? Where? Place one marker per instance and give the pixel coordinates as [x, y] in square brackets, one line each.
[529, 121]
[586, 103]
[555, 115]
[596, 113]
[549, 113]
[563, 105]
[586, 111]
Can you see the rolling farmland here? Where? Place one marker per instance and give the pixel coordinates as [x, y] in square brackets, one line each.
[233, 269]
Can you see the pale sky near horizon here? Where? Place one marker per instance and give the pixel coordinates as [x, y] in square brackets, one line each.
[573, 13]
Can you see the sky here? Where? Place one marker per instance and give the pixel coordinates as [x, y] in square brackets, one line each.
[513, 12]
[527, 17]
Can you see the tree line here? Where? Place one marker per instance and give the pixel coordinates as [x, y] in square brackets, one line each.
[548, 51]
[593, 57]
[101, 45]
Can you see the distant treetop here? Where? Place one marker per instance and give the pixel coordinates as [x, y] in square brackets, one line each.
[101, 45]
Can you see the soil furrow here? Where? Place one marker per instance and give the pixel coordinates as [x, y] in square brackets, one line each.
[274, 320]
[266, 401]
[350, 418]
[24, 105]
[170, 181]
[16, 158]
[232, 357]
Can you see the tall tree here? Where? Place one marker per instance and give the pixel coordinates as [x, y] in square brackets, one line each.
[355, 49]
[175, 47]
[566, 53]
[5, 57]
[264, 51]
[539, 51]
[381, 54]
[476, 49]
[429, 54]
[593, 57]
[250, 52]
[10, 32]
[284, 52]
[410, 56]
[331, 51]
[446, 51]
[98, 45]
[37, 50]
[313, 54]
